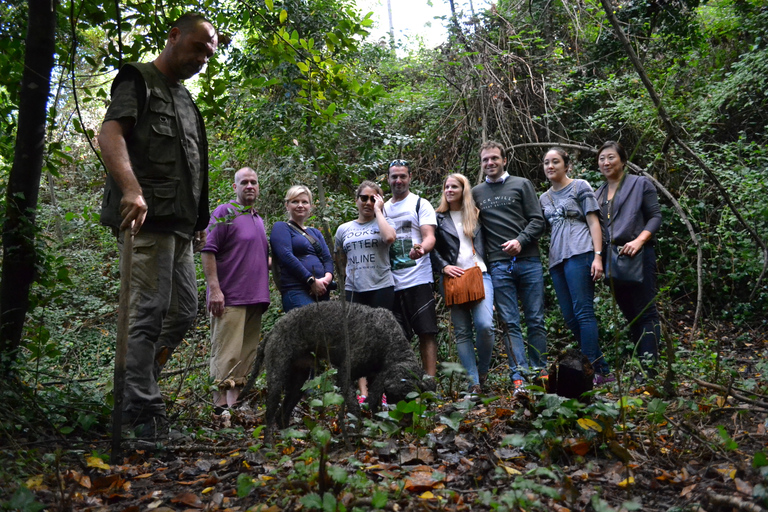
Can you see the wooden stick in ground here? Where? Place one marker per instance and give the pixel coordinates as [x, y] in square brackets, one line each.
[121, 348]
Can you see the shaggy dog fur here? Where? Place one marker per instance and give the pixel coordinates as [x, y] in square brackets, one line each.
[378, 351]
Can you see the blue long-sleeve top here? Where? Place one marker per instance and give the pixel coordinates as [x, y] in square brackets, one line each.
[297, 258]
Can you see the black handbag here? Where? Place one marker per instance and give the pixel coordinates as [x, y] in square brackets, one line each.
[624, 268]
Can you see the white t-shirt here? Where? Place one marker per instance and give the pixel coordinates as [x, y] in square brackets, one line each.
[402, 215]
[368, 265]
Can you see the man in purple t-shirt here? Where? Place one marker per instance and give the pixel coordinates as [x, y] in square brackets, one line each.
[235, 262]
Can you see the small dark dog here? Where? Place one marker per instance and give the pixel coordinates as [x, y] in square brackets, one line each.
[378, 351]
[571, 374]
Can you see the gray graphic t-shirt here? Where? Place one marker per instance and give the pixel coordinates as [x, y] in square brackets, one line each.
[566, 211]
[368, 265]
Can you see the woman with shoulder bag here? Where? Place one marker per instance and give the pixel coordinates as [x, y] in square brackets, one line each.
[459, 251]
[632, 215]
[304, 261]
[575, 260]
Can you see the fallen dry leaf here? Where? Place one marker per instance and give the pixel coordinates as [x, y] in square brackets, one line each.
[35, 483]
[96, 462]
[188, 499]
[577, 446]
[687, 490]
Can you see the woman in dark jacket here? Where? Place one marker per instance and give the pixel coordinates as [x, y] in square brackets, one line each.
[306, 267]
[632, 216]
[459, 246]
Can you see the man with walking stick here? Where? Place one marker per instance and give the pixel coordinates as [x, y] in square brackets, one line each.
[154, 146]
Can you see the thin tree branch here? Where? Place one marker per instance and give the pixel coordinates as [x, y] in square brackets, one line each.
[673, 130]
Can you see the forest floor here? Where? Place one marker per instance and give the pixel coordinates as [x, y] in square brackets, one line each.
[631, 447]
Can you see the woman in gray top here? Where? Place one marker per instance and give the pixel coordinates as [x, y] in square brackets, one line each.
[575, 260]
[632, 216]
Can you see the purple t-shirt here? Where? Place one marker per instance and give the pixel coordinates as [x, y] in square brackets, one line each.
[239, 241]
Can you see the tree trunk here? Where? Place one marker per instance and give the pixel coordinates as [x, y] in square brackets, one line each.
[24, 180]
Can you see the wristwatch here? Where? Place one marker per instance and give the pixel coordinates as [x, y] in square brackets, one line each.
[311, 280]
[599, 253]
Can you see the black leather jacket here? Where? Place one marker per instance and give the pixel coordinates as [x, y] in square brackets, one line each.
[446, 250]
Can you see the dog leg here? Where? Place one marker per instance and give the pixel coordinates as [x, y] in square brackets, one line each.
[293, 393]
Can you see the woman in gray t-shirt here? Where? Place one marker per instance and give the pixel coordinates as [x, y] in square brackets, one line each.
[575, 260]
[364, 248]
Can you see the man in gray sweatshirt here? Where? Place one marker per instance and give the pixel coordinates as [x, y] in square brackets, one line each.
[512, 223]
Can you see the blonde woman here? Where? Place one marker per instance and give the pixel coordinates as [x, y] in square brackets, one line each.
[459, 246]
[306, 267]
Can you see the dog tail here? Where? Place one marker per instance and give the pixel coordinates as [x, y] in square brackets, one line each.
[256, 368]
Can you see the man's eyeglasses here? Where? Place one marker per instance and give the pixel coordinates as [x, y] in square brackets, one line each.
[399, 163]
[364, 198]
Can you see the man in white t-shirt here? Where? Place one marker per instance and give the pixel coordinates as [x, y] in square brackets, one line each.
[414, 221]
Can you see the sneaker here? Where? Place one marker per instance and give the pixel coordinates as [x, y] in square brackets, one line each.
[476, 390]
[384, 400]
[519, 387]
[603, 379]
[361, 399]
[544, 378]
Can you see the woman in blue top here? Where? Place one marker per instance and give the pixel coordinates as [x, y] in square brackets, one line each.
[306, 267]
[575, 253]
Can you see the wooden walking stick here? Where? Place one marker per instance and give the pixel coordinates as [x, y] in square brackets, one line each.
[121, 348]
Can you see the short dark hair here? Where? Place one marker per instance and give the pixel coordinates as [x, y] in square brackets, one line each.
[188, 21]
[492, 144]
[563, 154]
[612, 144]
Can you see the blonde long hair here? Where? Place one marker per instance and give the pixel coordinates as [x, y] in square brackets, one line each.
[469, 211]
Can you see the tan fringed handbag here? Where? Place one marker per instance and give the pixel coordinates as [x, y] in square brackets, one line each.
[467, 288]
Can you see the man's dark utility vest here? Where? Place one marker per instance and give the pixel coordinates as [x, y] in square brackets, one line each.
[160, 160]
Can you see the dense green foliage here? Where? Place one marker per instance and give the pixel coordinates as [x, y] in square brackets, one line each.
[299, 94]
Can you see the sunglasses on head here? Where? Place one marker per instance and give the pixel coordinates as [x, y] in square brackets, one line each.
[364, 198]
[399, 163]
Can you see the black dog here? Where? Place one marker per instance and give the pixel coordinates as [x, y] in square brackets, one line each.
[378, 351]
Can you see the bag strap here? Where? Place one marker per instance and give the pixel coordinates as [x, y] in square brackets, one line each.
[312, 240]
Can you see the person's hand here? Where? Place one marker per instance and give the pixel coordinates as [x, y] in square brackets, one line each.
[597, 267]
[133, 208]
[199, 243]
[215, 302]
[378, 205]
[512, 247]
[453, 271]
[317, 288]
[632, 248]
[416, 252]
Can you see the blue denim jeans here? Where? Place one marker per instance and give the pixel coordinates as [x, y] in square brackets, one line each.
[480, 313]
[638, 303]
[575, 291]
[293, 299]
[521, 279]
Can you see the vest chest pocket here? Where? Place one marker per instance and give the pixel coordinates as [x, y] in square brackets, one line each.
[162, 140]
